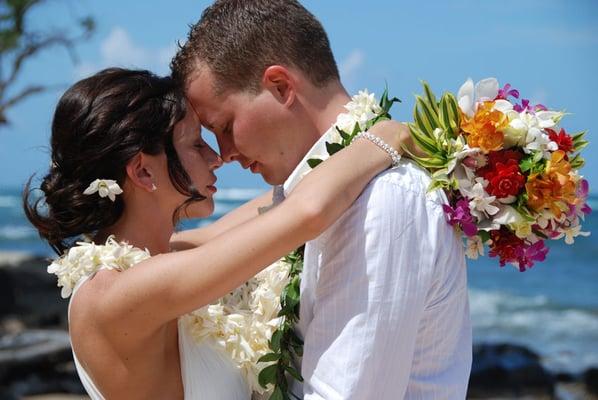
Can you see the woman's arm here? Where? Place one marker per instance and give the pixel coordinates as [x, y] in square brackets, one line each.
[167, 286]
[191, 238]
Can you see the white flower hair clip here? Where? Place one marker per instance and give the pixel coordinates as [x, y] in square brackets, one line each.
[105, 188]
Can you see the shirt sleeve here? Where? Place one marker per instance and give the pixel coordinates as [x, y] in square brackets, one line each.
[374, 273]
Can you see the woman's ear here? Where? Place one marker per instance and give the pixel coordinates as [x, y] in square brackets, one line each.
[139, 171]
[281, 83]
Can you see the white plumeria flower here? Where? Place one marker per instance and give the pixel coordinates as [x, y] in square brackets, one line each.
[527, 129]
[481, 203]
[474, 247]
[469, 96]
[571, 233]
[540, 141]
[105, 188]
[363, 107]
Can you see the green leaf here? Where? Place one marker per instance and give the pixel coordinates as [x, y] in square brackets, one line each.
[577, 162]
[267, 375]
[344, 134]
[269, 357]
[578, 136]
[429, 114]
[422, 119]
[314, 162]
[424, 141]
[333, 148]
[275, 340]
[430, 97]
[292, 296]
[277, 394]
[484, 235]
[449, 117]
[580, 145]
[294, 373]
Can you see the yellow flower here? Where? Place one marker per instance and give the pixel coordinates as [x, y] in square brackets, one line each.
[485, 128]
[554, 189]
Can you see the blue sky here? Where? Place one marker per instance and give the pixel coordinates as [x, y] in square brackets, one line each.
[547, 49]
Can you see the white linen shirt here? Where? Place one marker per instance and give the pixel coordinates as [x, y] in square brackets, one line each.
[384, 306]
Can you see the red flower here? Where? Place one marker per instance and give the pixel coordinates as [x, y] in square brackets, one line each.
[503, 173]
[510, 249]
[506, 246]
[562, 139]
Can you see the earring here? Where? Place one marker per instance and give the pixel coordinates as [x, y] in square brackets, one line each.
[154, 188]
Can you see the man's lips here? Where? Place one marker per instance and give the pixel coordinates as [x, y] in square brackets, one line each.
[253, 166]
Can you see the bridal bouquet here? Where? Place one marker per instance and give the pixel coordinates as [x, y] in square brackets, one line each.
[510, 171]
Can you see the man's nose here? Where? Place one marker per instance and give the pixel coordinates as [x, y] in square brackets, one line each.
[228, 150]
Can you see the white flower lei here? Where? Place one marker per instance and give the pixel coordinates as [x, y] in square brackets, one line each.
[242, 322]
[86, 258]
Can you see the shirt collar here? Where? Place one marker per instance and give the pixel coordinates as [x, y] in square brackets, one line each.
[318, 150]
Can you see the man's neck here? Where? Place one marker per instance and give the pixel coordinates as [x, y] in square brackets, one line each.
[325, 104]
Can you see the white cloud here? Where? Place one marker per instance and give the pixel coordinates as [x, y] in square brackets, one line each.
[351, 64]
[119, 50]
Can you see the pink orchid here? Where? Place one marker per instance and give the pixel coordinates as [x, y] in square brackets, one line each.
[506, 91]
[461, 215]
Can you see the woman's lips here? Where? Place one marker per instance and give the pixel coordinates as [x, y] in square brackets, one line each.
[212, 189]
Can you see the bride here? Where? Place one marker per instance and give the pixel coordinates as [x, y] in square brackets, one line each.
[128, 162]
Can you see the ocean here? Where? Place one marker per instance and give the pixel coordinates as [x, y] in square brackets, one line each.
[552, 308]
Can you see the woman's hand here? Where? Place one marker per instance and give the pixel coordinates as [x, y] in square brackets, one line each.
[396, 134]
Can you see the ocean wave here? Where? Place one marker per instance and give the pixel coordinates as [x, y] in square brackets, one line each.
[10, 201]
[564, 337]
[233, 194]
[18, 232]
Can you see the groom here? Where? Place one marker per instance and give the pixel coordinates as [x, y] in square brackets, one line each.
[384, 308]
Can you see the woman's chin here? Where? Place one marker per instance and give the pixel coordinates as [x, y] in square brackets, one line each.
[201, 209]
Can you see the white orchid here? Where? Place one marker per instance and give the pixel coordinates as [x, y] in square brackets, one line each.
[105, 188]
[469, 96]
[474, 247]
[527, 129]
[481, 204]
[571, 233]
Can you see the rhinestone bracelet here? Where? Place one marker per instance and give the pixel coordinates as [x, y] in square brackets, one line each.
[394, 155]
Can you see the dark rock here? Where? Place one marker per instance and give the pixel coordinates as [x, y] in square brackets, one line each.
[566, 377]
[590, 378]
[506, 370]
[32, 351]
[30, 294]
[36, 362]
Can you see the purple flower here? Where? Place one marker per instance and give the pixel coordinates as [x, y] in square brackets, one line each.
[506, 91]
[460, 215]
[530, 254]
[582, 192]
[525, 106]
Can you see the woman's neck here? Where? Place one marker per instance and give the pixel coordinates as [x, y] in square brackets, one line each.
[143, 229]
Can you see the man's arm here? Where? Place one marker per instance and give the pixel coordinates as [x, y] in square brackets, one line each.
[373, 279]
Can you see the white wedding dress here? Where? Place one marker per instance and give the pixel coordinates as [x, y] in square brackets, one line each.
[207, 373]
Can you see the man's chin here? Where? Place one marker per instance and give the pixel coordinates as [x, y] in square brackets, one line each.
[272, 178]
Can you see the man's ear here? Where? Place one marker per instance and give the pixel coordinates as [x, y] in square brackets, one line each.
[139, 172]
[281, 83]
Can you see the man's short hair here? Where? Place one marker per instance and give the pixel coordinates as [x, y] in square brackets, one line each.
[239, 39]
